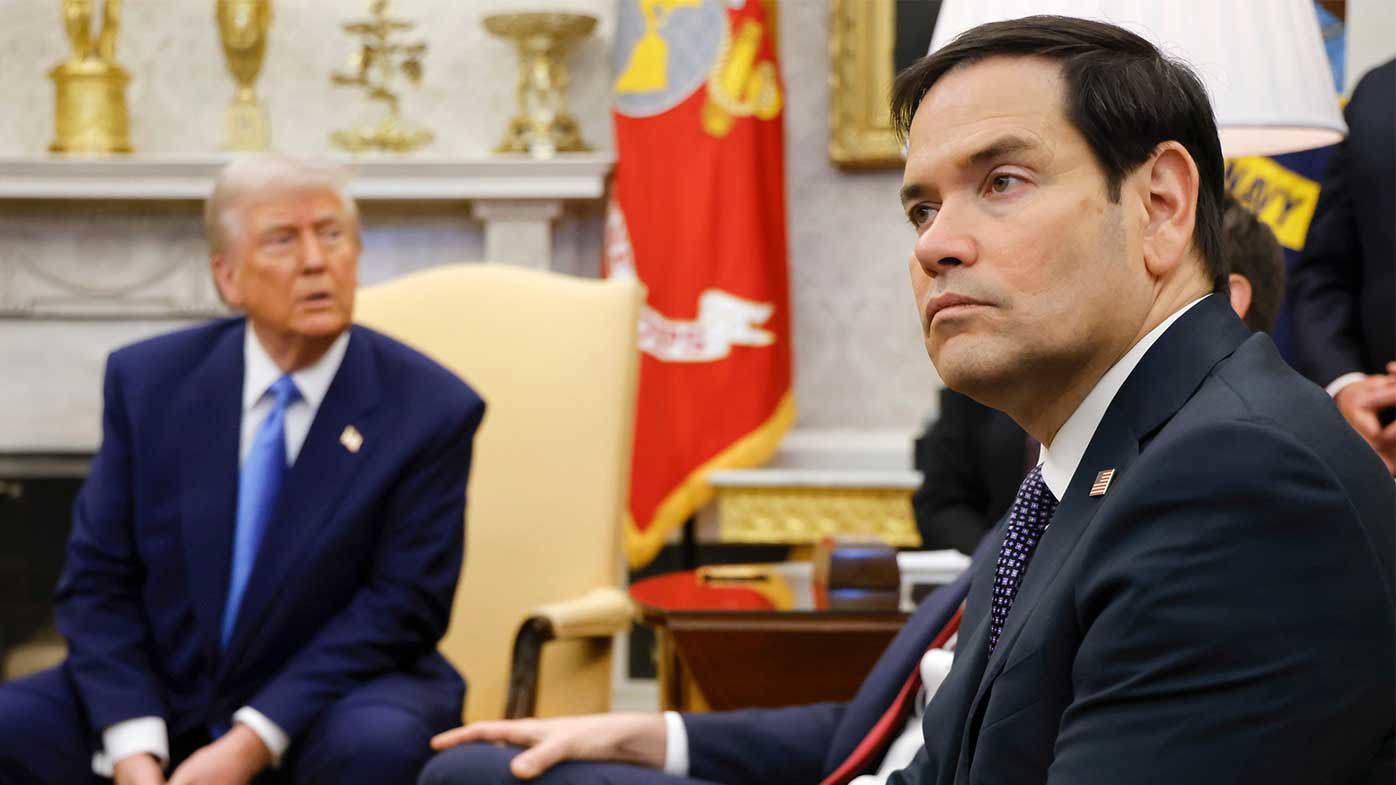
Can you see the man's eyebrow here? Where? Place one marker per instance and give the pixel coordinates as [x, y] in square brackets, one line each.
[998, 148]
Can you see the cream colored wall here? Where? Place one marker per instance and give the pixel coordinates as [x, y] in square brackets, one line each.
[858, 358]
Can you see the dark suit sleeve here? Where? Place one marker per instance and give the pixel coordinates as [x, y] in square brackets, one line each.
[1207, 632]
[762, 745]
[950, 503]
[404, 608]
[99, 607]
[1324, 286]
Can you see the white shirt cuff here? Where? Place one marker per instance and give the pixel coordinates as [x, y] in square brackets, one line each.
[675, 745]
[131, 737]
[1336, 386]
[269, 732]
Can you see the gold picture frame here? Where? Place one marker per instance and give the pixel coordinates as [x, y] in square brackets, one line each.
[862, 34]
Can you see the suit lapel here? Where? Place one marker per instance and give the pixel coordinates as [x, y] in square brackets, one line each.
[208, 415]
[1168, 375]
[314, 484]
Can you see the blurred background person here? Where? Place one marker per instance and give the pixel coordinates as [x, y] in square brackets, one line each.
[1342, 293]
[265, 553]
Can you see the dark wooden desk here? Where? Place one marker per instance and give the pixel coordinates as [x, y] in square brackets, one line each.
[754, 636]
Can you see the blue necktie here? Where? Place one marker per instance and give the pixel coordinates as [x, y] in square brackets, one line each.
[258, 484]
[1028, 517]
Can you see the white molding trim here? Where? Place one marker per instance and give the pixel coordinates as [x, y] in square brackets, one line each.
[183, 178]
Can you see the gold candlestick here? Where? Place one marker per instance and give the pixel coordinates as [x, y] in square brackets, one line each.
[242, 28]
[544, 125]
[375, 67]
[90, 115]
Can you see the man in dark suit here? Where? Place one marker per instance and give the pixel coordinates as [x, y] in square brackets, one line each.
[803, 744]
[972, 458]
[265, 553]
[1205, 543]
[1343, 290]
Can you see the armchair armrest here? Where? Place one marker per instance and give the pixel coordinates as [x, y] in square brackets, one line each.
[600, 613]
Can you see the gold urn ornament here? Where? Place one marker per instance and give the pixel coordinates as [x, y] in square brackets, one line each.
[544, 125]
[242, 29]
[377, 65]
[90, 116]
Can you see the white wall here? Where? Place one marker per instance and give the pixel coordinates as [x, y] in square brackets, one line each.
[1371, 37]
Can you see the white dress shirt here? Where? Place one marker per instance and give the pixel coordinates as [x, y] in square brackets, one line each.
[150, 734]
[1058, 465]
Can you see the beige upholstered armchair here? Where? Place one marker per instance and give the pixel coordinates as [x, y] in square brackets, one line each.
[555, 359]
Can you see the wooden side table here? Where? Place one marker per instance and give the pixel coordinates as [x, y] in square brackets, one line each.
[753, 636]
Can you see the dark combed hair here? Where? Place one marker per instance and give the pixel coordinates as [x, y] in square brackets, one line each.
[1122, 94]
[1252, 251]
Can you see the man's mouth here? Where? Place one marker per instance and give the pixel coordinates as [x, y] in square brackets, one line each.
[950, 304]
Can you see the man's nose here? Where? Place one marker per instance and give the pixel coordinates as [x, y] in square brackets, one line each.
[947, 242]
[312, 253]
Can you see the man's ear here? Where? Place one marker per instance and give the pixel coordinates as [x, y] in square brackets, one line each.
[1170, 204]
[226, 278]
[1240, 287]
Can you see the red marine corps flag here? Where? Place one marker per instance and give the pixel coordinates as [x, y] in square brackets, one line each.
[697, 213]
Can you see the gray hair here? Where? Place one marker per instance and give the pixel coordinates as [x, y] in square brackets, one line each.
[247, 179]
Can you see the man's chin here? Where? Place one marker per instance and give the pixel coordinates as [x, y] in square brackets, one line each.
[325, 325]
[971, 370]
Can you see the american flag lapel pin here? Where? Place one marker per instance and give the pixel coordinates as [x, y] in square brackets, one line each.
[351, 439]
[1102, 482]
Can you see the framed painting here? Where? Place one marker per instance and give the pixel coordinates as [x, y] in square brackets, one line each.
[869, 42]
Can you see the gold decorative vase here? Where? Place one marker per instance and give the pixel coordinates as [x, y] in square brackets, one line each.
[242, 29]
[544, 125]
[90, 116]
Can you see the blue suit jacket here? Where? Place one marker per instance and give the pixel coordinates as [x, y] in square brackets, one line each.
[1223, 614]
[356, 573]
[804, 744]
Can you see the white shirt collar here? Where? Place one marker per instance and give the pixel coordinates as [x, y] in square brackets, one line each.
[313, 381]
[1069, 445]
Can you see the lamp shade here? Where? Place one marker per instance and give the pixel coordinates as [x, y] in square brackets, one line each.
[1263, 63]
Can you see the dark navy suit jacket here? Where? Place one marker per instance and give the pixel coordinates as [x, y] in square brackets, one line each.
[804, 744]
[356, 573]
[1223, 614]
[1342, 291]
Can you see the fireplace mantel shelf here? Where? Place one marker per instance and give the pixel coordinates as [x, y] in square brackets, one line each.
[182, 178]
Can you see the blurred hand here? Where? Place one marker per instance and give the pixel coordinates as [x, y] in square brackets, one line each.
[1360, 402]
[624, 738]
[232, 760]
[142, 769]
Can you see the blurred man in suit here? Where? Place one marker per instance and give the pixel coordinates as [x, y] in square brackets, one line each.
[1343, 291]
[972, 458]
[1205, 541]
[265, 553]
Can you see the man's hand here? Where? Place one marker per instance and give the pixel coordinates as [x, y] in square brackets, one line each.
[142, 769]
[232, 760]
[624, 738]
[1360, 402]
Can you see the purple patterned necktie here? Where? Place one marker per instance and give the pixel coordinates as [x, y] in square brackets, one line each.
[1027, 519]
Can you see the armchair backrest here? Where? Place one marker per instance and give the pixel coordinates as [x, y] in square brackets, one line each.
[555, 358]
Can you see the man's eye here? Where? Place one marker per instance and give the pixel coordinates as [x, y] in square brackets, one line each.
[1002, 182]
[921, 214]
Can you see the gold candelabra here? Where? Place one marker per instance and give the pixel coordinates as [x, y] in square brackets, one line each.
[543, 125]
[242, 28]
[376, 66]
[90, 115]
